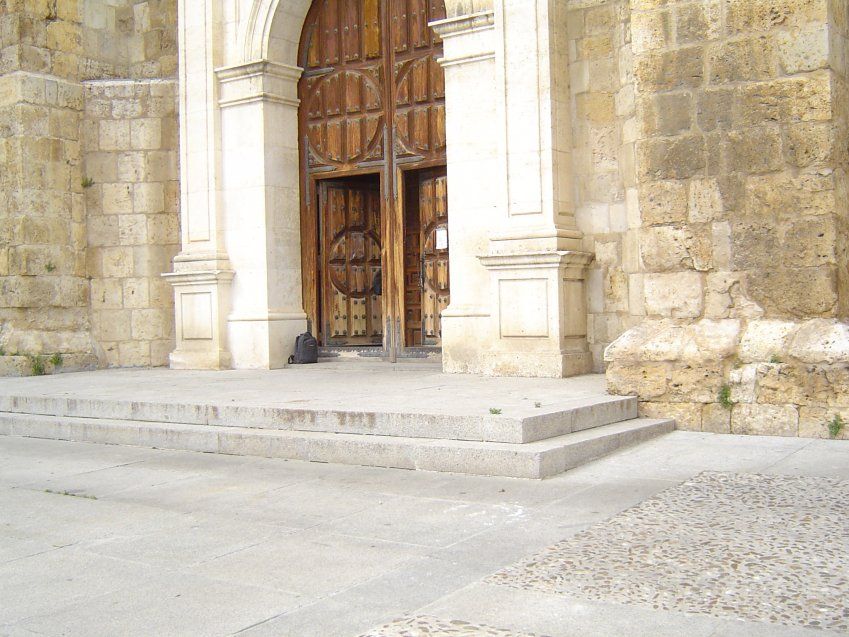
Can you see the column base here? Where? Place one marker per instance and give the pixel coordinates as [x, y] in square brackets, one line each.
[212, 360]
[517, 364]
[201, 303]
[264, 342]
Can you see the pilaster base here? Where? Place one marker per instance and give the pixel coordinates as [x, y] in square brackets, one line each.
[536, 324]
[264, 342]
[201, 303]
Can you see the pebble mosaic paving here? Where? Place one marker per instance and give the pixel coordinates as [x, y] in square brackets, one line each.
[752, 547]
[423, 626]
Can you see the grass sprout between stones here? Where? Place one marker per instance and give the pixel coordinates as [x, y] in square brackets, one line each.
[56, 360]
[494, 411]
[72, 495]
[36, 365]
[725, 397]
[836, 426]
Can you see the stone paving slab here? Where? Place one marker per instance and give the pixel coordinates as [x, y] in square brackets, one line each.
[174, 543]
[359, 387]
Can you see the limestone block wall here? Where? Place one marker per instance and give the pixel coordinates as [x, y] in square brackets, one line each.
[130, 156]
[48, 50]
[604, 133]
[43, 289]
[741, 170]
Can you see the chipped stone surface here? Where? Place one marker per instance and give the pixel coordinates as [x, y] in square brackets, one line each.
[750, 547]
[424, 626]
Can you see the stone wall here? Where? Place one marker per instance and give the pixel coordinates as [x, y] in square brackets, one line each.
[43, 289]
[130, 155]
[604, 125]
[48, 49]
[741, 164]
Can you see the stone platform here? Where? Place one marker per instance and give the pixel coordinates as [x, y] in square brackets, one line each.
[407, 415]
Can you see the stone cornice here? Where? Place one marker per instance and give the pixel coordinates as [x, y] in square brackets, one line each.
[463, 24]
[522, 261]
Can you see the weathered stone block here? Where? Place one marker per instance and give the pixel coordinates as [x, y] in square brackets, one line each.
[687, 416]
[806, 99]
[699, 383]
[674, 294]
[668, 70]
[792, 384]
[755, 150]
[651, 31]
[677, 158]
[647, 380]
[151, 324]
[814, 421]
[670, 248]
[765, 340]
[821, 341]
[765, 420]
[716, 418]
[666, 114]
[117, 198]
[663, 202]
[766, 15]
[798, 292]
[743, 60]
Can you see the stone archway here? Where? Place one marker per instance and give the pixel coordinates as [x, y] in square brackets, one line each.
[517, 283]
[237, 280]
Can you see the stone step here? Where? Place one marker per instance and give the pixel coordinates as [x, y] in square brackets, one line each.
[564, 417]
[538, 459]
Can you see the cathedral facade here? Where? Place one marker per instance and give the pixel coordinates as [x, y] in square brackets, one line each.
[654, 189]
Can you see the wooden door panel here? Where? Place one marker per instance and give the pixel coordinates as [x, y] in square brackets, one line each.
[436, 294]
[352, 259]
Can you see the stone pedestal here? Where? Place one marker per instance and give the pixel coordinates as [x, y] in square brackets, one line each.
[202, 299]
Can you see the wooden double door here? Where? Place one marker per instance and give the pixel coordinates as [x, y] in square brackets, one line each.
[374, 216]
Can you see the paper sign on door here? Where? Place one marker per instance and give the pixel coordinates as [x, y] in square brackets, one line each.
[442, 238]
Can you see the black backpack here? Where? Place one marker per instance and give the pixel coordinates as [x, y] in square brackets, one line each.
[306, 350]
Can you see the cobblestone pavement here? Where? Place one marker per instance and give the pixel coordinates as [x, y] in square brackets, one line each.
[691, 534]
[421, 626]
[762, 548]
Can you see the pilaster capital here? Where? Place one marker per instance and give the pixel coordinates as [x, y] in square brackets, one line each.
[573, 262]
[258, 81]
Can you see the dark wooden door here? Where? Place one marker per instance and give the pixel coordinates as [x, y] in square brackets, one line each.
[426, 282]
[372, 102]
[433, 213]
[351, 254]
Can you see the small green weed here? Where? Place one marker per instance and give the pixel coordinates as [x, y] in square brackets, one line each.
[50, 267]
[836, 426]
[36, 365]
[2, 352]
[725, 397]
[494, 411]
[73, 495]
[56, 360]
[87, 182]
[775, 359]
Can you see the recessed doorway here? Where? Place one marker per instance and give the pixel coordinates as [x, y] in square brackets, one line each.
[374, 216]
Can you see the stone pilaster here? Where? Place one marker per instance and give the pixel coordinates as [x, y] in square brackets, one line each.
[259, 122]
[202, 271]
[527, 315]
